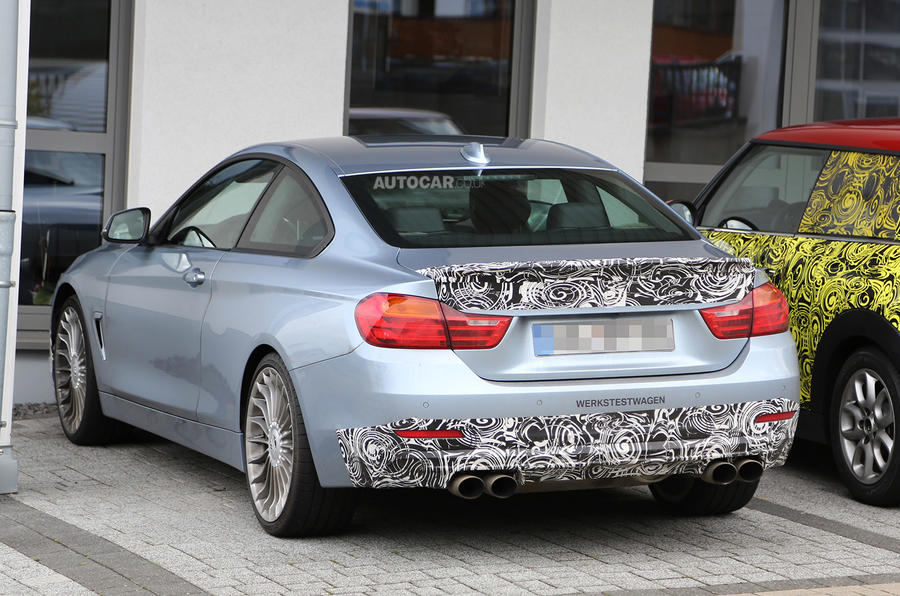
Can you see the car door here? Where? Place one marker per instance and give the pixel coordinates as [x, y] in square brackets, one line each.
[265, 292]
[158, 293]
[845, 253]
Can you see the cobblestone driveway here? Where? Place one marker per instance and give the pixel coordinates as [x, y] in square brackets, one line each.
[148, 515]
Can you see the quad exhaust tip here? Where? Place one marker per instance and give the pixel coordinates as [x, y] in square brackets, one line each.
[470, 486]
[466, 486]
[726, 472]
[749, 470]
[720, 472]
[501, 486]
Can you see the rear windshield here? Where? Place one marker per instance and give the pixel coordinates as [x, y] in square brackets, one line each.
[445, 208]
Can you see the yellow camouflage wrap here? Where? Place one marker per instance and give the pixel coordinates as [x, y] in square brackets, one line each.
[855, 196]
[820, 279]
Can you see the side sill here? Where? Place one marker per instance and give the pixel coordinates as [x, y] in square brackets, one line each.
[218, 443]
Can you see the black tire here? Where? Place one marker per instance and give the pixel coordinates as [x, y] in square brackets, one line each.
[90, 426]
[882, 487]
[691, 496]
[308, 509]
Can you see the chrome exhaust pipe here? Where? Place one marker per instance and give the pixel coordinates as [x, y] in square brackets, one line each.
[466, 486]
[749, 470]
[502, 486]
[720, 472]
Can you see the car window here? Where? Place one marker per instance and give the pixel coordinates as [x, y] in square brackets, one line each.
[768, 189]
[509, 207]
[620, 214]
[290, 219]
[214, 214]
[857, 194]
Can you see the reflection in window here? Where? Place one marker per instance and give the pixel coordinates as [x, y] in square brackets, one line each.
[61, 217]
[67, 66]
[768, 189]
[446, 56]
[714, 77]
[858, 71]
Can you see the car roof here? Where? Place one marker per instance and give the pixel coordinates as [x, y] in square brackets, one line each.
[879, 134]
[359, 155]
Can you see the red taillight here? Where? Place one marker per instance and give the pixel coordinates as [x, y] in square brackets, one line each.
[763, 311]
[469, 331]
[429, 434]
[770, 310]
[774, 417]
[401, 321]
[398, 321]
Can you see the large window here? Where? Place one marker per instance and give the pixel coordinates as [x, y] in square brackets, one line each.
[715, 79]
[434, 66]
[858, 70]
[74, 173]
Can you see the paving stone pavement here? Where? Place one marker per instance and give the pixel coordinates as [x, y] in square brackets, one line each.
[172, 521]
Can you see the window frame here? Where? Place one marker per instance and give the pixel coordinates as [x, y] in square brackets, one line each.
[521, 79]
[33, 323]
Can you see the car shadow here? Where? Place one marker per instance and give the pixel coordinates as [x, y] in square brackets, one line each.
[813, 459]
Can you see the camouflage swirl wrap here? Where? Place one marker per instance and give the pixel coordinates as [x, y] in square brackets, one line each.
[855, 196]
[572, 447]
[822, 278]
[591, 283]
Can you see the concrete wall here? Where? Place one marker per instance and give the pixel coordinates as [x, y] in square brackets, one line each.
[211, 77]
[591, 70]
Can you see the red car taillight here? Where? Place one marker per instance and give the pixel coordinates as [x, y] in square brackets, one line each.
[763, 311]
[401, 321]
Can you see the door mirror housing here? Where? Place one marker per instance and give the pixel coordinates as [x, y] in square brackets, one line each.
[684, 210]
[128, 227]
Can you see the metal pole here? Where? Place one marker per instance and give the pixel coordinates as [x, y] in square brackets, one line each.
[12, 139]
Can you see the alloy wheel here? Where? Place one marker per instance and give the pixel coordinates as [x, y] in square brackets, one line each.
[269, 443]
[70, 369]
[867, 426]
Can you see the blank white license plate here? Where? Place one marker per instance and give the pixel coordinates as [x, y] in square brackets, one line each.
[646, 334]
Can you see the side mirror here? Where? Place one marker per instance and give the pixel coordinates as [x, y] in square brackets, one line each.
[684, 210]
[737, 223]
[129, 226]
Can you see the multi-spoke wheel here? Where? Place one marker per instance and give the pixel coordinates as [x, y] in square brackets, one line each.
[863, 427]
[73, 378]
[285, 490]
[269, 443]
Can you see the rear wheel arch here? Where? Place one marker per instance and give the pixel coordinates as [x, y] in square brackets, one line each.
[848, 332]
[256, 356]
[63, 292]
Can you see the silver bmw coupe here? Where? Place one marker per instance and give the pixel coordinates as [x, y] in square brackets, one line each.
[474, 314]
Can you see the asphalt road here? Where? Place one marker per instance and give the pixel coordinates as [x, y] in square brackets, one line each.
[145, 515]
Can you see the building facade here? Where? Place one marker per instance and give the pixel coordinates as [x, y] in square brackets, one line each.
[130, 101]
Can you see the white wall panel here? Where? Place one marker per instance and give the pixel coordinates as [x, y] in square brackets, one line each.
[211, 77]
[591, 70]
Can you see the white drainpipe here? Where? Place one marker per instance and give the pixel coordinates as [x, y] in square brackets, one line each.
[14, 19]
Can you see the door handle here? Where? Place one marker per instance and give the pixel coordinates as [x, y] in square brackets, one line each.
[194, 277]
